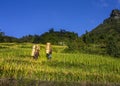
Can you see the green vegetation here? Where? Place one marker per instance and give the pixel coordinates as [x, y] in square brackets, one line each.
[85, 59]
[101, 35]
[93, 42]
[16, 63]
[61, 37]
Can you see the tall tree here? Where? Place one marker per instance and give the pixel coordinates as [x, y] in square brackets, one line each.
[112, 48]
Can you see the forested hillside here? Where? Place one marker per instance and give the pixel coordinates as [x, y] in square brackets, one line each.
[61, 37]
[5, 38]
[106, 35]
[104, 39]
[109, 27]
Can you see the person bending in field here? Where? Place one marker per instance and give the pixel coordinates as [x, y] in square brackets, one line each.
[35, 51]
[48, 51]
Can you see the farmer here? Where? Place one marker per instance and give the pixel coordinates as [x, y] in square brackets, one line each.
[35, 51]
[48, 50]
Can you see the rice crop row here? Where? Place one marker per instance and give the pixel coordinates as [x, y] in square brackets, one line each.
[16, 62]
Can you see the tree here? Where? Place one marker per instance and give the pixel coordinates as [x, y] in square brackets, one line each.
[2, 34]
[86, 38]
[112, 48]
[51, 30]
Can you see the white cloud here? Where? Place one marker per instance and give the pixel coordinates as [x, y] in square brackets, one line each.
[100, 3]
[104, 3]
[118, 1]
[118, 4]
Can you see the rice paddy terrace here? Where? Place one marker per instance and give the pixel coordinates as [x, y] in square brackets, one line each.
[18, 68]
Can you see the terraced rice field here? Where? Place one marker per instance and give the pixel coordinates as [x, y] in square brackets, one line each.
[17, 65]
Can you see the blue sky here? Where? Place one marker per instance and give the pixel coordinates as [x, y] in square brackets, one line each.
[22, 17]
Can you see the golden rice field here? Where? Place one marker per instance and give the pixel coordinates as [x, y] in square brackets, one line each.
[16, 63]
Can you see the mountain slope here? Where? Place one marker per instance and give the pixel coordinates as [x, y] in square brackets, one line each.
[109, 27]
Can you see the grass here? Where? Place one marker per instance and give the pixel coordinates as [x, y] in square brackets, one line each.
[16, 63]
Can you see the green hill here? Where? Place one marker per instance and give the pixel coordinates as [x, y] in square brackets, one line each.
[109, 27]
[106, 36]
